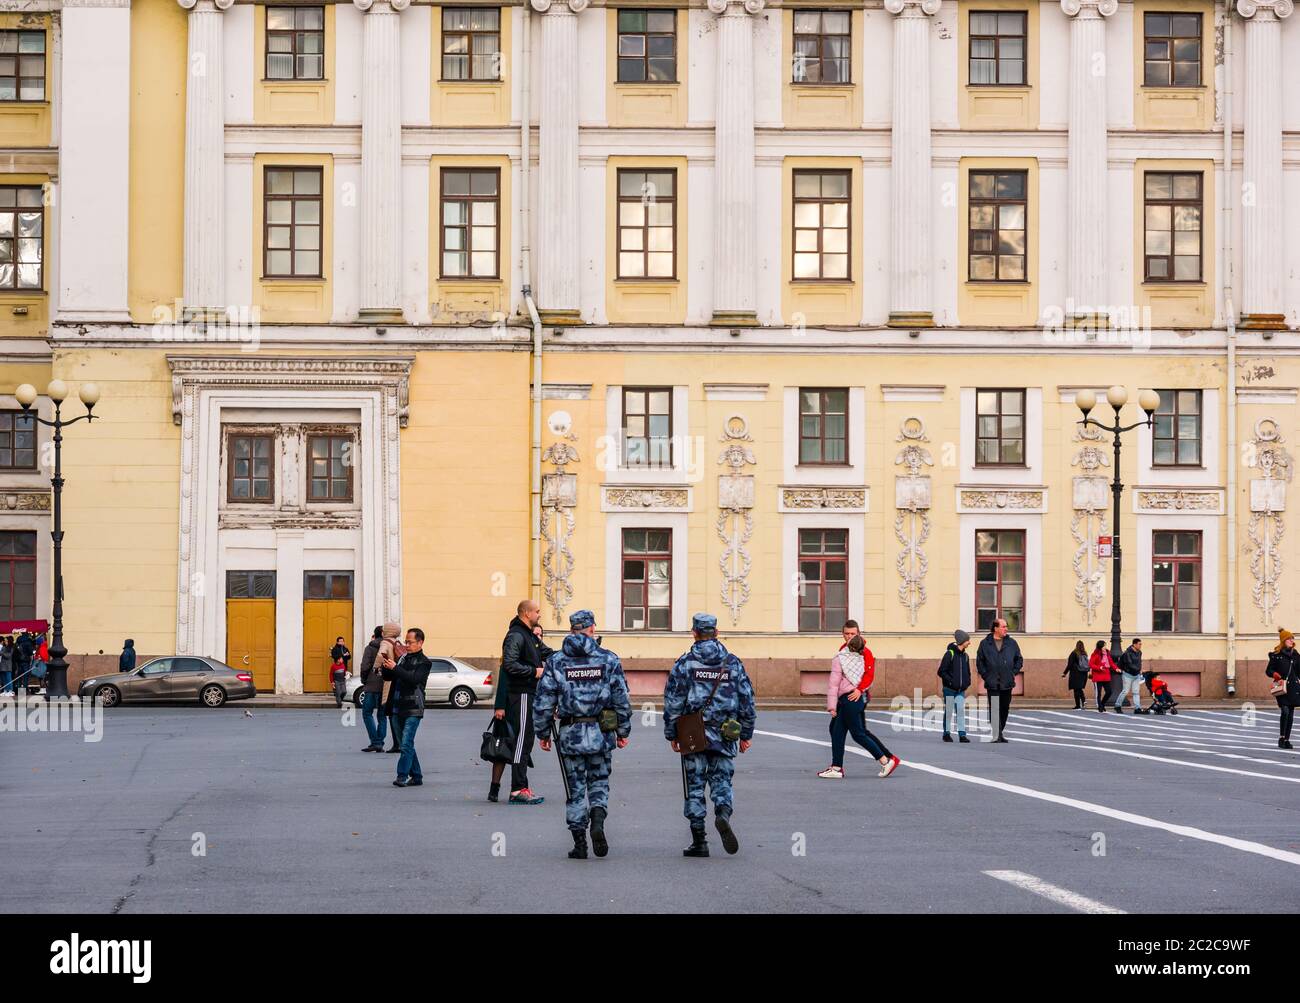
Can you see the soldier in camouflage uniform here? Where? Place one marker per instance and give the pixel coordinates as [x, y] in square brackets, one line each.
[728, 724]
[581, 684]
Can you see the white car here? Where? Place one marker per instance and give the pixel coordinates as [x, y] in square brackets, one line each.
[450, 681]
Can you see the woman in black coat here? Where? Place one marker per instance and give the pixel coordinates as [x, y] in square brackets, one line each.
[1076, 668]
[1284, 667]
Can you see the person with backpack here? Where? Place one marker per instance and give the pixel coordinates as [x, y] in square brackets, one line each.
[954, 676]
[1076, 671]
[372, 694]
[340, 669]
[391, 651]
[1102, 668]
[1284, 670]
[852, 672]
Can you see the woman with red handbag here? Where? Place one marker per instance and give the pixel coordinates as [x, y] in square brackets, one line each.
[1102, 668]
[1284, 670]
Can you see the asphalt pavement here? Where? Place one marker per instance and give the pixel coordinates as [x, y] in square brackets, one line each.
[183, 809]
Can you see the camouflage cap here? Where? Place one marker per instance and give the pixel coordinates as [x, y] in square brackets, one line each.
[704, 621]
[582, 619]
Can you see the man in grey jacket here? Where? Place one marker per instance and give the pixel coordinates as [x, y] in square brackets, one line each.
[998, 662]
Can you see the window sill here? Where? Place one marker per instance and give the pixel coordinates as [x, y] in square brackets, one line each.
[294, 81]
[986, 283]
[484, 279]
[1175, 283]
[821, 85]
[1009, 88]
[646, 281]
[444, 82]
[18, 103]
[300, 279]
[834, 283]
[1172, 89]
[647, 83]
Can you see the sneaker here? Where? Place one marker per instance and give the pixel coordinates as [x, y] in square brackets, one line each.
[1119, 710]
[525, 796]
[947, 737]
[402, 782]
[889, 767]
[1283, 743]
[832, 773]
[963, 740]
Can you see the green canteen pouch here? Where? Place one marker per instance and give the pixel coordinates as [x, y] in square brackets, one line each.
[730, 730]
[608, 719]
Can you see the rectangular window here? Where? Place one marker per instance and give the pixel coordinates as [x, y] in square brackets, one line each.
[822, 46]
[823, 579]
[999, 428]
[998, 228]
[647, 224]
[327, 585]
[17, 441]
[250, 468]
[471, 223]
[250, 584]
[997, 47]
[22, 237]
[471, 43]
[824, 426]
[1176, 582]
[648, 427]
[1176, 435]
[1173, 50]
[1000, 578]
[331, 461]
[647, 46]
[17, 576]
[821, 225]
[647, 579]
[22, 65]
[1173, 227]
[295, 43]
[293, 205]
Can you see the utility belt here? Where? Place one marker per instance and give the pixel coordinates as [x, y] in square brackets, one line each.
[607, 719]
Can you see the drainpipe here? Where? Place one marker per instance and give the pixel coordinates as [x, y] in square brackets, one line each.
[526, 278]
[1231, 324]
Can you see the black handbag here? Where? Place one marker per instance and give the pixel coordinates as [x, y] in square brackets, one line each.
[498, 743]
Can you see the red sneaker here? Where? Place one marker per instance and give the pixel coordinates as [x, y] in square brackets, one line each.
[889, 767]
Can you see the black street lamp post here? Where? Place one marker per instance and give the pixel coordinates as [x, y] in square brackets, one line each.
[1117, 397]
[56, 683]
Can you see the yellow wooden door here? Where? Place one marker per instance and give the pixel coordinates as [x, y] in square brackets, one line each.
[322, 621]
[250, 639]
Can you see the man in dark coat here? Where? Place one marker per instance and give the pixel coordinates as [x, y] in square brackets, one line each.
[409, 675]
[998, 662]
[372, 694]
[24, 650]
[126, 660]
[522, 655]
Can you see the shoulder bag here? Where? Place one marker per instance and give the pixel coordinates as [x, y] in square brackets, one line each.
[691, 734]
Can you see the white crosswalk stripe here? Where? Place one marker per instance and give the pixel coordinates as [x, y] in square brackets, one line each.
[1061, 896]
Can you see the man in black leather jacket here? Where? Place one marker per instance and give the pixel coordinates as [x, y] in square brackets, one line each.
[410, 675]
[522, 656]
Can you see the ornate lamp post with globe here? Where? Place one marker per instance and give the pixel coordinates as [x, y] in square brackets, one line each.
[1117, 397]
[56, 684]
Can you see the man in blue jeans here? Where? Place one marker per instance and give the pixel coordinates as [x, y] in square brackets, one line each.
[409, 675]
[372, 694]
[954, 674]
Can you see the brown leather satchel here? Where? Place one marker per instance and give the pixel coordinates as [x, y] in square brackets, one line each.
[691, 735]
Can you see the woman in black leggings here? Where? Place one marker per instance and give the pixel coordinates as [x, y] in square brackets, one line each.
[1284, 666]
[1103, 674]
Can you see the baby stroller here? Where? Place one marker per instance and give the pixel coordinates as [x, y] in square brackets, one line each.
[1163, 701]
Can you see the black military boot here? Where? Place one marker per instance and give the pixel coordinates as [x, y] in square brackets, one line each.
[699, 845]
[598, 841]
[579, 851]
[729, 841]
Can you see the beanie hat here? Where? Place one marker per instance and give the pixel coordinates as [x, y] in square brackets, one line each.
[1283, 635]
[960, 636]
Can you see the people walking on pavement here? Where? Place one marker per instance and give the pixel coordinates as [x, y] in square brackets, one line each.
[409, 676]
[708, 698]
[1076, 673]
[955, 678]
[340, 669]
[6, 664]
[372, 694]
[522, 656]
[126, 660]
[583, 694]
[847, 693]
[1102, 669]
[1130, 667]
[998, 662]
[1284, 670]
[391, 651]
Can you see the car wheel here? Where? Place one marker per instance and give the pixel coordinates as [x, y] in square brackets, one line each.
[108, 696]
[213, 696]
[462, 698]
[356, 697]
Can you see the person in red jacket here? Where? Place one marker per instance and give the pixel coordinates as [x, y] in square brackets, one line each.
[852, 672]
[1102, 668]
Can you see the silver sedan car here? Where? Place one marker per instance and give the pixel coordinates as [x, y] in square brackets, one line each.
[450, 681]
[181, 678]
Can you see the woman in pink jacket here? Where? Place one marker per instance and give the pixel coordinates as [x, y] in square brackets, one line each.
[852, 672]
[1103, 669]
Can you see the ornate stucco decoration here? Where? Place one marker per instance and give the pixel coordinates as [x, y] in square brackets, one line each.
[912, 523]
[736, 513]
[1090, 519]
[573, 6]
[823, 499]
[998, 500]
[559, 498]
[1267, 503]
[1089, 8]
[25, 501]
[1179, 500]
[913, 8]
[721, 6]
[615, 499]
[1279, 9]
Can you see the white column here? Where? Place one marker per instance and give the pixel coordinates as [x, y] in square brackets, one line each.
[1086, 288]
[734, 184]
[381, 159]
[205, 160]
[911, 251]
[558, 259]
[1261, 194]
[94, 95]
